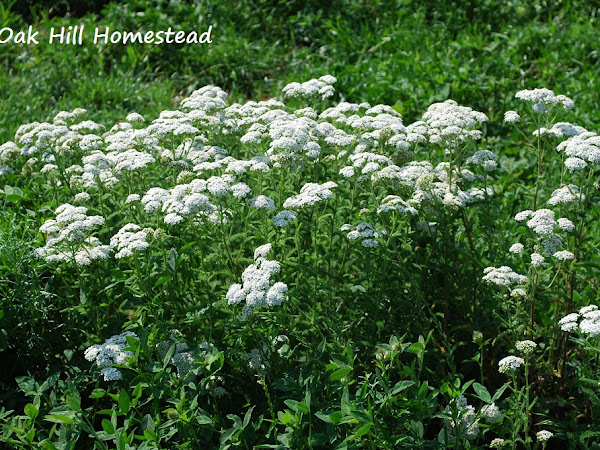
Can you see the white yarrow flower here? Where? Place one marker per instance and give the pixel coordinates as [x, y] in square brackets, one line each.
[516, 248]
[511, 117]
[526, 347]
[510, 363]
[111, 352]
[537, 260]
[543, 436]
[564, 255]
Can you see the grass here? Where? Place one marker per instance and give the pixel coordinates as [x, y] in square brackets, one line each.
[409, 56]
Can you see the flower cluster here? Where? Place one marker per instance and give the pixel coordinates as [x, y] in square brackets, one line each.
[543, 98]
[451, 123]
[310, 194]
[585, 146]
[526, 347]
[256, 289]
[587, 321]
[466, 425]
[129, 239]
[284, 218]
[543, 436]
[69, 237]
[510, 364]
[365, 232]
[111, 352]
[316, 87]
[503, 276]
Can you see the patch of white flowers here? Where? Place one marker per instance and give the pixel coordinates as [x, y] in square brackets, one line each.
[111, 352]
[322, 87]
[510, 364]
[466, 425]
[544, 436]
[284, 218]
[69, 237]
[543, 98]
[310, 194]
[451, 123]
[129, 239]
[503, 276]
[587, 321]
[526, 347]
[511, 117]
[256, 288]
[364, 232]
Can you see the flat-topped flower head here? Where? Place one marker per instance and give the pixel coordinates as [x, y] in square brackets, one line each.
[497, 443]
[564, 255]
[573, 163]
[569, 322]
[510, 364]
[587, 321]
[322, 87]
[537, 260]
[585, 145]
[284, 218]
[511, 117]
[364, 232]
[256, 288]
[310, 194]
[128, 240]
[484, 158]
[542, 221]
[516, 248]
[69, 237]
[111, 352]
[566, 195]
[451, 123]
[544, 435]
[502, 276]
[262, 202]
[526, 347]
[566, 224]
[491, 413]
[543, 98]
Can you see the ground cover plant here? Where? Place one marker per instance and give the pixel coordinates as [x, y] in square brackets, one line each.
[305, 261]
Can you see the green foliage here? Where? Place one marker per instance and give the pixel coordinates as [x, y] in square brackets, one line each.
[391, 346]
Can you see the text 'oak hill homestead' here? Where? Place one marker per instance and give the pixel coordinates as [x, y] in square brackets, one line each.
[75, 35]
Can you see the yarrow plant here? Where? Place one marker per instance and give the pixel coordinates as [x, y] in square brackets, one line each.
[213, 227]
[110, 353]
[256, 288]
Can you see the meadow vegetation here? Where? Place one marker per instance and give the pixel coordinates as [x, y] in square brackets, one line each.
[359, 225]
